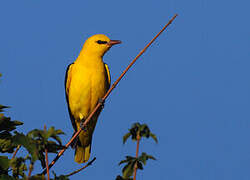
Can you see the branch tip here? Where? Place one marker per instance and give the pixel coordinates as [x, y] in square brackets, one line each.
[88, 164]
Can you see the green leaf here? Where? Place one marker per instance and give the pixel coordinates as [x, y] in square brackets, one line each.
[37, 134]
[4, 164]
[6, 177]
[144, 131]
[154, 137]
[38, 177]
[41, 158]
[128, 159]
[121, 178]
[128, 169]
[18, 166]
[139, 165]
[134, 130]
[3, 107]
[123, 161]
[126, 136]
[6, 124]
[151, 157]
[43, 136]
[144, 157]
[28, 143]
[41, 140]
[52, 133]
[139, 129]
[52, 147]
[6, 143]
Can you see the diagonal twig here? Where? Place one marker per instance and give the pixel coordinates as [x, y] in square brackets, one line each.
[14, 155]
[46, 157]
[107, 94]
[89, 163]
[31, 167]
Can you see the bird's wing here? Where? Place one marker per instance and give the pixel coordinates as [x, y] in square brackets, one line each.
[107, 76]
[67, 82]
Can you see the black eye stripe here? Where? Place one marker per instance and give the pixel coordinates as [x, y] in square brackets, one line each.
[101, 42]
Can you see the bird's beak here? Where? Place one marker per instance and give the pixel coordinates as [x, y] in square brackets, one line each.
[114, 42]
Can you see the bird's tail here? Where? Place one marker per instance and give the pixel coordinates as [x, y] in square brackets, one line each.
[82, 154]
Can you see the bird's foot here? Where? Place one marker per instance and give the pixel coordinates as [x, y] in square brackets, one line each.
[82, 126]
[101, 101]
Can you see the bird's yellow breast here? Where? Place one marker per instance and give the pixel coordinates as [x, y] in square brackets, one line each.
[88, 85]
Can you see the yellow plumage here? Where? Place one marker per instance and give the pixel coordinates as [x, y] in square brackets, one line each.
[87, 80]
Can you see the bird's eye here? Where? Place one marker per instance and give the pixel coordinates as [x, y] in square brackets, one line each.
[101, 42]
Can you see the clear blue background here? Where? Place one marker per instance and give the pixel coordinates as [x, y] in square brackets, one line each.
[191, 87]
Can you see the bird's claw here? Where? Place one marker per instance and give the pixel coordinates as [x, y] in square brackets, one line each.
[82, 126]
[101, 101]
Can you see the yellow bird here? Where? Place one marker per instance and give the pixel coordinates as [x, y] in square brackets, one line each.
[86, 82]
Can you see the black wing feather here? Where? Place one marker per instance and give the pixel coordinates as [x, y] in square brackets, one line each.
[108, 78]
[67, 99]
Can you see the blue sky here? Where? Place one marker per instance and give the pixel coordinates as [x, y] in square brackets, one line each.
[191, 87]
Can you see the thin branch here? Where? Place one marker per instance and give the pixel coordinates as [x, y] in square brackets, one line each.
[107, 94]
[30, 170]
[14, 155]
[46, 157]
[138, 138]
[89, 163]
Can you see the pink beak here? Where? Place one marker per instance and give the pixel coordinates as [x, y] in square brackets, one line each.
[114, 42]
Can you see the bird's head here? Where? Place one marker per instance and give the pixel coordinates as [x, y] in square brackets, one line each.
[98, 44]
